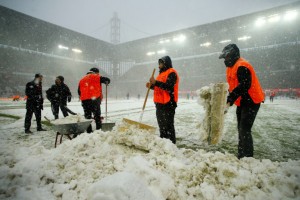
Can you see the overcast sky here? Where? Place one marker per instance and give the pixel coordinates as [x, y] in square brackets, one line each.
[139, 18]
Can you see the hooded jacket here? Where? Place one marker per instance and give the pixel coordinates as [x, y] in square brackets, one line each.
[166, 86]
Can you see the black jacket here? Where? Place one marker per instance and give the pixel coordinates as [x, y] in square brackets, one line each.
[58, 93]
[34, 95]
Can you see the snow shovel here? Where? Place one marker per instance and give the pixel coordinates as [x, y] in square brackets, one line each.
[70, 111]
[139, 124]
[107, 126]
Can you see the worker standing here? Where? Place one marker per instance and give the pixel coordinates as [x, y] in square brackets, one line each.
[245, 92]
[34, 103]
[165, 97]
[90, 93]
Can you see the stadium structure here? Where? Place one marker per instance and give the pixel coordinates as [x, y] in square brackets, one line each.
[269, 39]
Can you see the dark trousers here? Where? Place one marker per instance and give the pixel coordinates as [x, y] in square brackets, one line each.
[38, 114]
[55, 109]
[92, 107]
[165, 120]
[245, 118]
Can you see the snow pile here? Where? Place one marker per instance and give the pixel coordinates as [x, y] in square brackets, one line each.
[213, 99]
[70, 120]
[138, 165]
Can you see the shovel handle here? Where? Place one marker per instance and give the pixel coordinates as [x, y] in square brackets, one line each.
[106, 102]
[148, 92]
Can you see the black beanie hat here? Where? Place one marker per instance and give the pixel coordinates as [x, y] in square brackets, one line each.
[38, 75]
[61, 78]
[94, 69]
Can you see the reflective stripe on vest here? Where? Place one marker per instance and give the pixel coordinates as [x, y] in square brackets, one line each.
[90, 87]
[256, 93]
[162, 96]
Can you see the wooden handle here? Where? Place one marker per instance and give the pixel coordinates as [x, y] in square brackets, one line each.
[148, 91]
[106, 102]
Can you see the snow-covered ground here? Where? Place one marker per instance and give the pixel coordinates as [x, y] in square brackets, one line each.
[138, 165]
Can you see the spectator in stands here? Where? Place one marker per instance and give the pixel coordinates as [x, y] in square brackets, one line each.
[245, 92]
[34, 103]
[58, 95]
[90, 94]
[165, 97]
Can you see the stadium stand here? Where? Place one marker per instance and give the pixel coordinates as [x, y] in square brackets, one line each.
[268, 39]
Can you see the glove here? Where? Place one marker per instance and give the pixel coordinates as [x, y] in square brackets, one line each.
[69, 98]
[107, 82]
[42, 107]
[148, 85]
[226, 108]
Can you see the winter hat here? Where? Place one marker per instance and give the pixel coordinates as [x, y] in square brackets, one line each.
[61, 78]
[94, 69]
[230, 50]
[38, 75]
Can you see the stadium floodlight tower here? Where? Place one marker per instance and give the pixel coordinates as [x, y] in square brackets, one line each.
[115, 29]
[115, 23]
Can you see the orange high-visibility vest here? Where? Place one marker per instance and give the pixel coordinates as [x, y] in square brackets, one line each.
[162, 96]
[90, 87]
[256, 93]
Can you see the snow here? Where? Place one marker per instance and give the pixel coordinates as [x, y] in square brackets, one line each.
[139, 165]
[69, 119]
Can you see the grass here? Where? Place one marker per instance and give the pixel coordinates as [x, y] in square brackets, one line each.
[10, 116]
[46, 123]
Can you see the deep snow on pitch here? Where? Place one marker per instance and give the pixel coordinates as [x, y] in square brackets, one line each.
[93, 165]
[75, 170]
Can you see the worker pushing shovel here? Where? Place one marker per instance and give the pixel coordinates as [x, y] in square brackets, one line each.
[165, 88]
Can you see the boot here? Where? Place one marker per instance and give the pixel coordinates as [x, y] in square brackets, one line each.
[28, 131]
[41, 129]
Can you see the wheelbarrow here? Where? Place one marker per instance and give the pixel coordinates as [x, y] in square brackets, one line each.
[70, 129]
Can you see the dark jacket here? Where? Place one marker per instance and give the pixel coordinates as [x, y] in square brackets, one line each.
[34, 95]
[59, 93]
[169, 84]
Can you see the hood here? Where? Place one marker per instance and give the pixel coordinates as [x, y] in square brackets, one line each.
[167, 62]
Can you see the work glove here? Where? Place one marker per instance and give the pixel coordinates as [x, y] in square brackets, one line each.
[69, 98]
[148, 85]
[226, 108]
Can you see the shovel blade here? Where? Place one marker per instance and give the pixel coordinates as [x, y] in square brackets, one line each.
[129, 122]
[107, 126]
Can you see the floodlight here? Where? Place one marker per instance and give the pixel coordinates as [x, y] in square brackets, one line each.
[260, 22]
[150, 53]
[179, 38]
[63, 47]
[224, 41]
[206, 44]
[274, 18]
[76, 50]
[244, 38]
[161, 51]
[290, 15]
